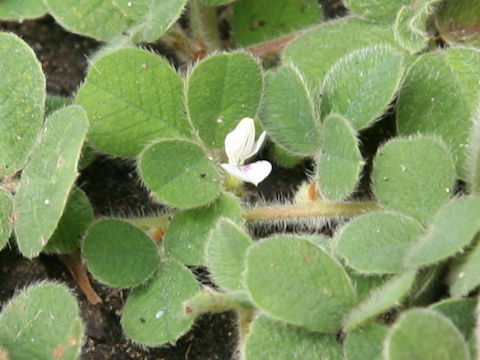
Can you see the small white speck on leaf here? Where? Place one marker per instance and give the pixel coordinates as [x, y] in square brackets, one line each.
[159, 314]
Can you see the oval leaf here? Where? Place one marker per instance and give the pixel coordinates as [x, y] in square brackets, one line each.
[410, 28]
[179, 173]
[21, 10]
[188, 232]
[288, 113]
[23, 102]
[119, 254]
[452, 228]
[376, 242]
[132, 97]
[286, 342]
[48, 177]
[152, 18]
[327, 292]
[154, 314]
[380, 300]
[76, 217]
[340, 162]
[362, 84]
[40, 322]
[415, 337]
[99, 19]
[225, 254]
[222, 90]
[328, 43]
[439, 96]
[403, 171]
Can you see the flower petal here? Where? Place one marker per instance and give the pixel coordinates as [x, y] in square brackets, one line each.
[253, 173]
[258, 145]
[239, 142]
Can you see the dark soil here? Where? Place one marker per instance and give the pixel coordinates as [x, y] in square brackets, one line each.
[114, 190]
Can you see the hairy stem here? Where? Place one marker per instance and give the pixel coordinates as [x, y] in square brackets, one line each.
[203, 21]
[312, 209]
[212, 301]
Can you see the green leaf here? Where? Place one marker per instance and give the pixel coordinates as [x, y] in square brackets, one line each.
[365, 343]
[461, 312]
[119, 254]
[403, 173]
[98, 19]
[87, 156]
[416, 334]
[42, 322]
[452, 228]
[225, 254]
[375, 10]
[221, 90]
[439, 96]
[188, 232]
[464, 271]
[375, 243]
[179, 173]
[380, 300]
[286, 342]
[313, 291]
[361, 85]
[132, 97]
[154, 314]
[428, 284]
[410, 28]
[22, 102]
[153, 18]
[21, 10]
[284, 157]
[365, 284]
[340, 161]
[458, 22]
[6, 208]
[48, 177]
[54, 103]
[76, 217]
[256, 21]
[328, 43]
[288, 113]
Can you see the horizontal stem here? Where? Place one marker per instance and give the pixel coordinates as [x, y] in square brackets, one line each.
[208, 300]
[312, 209]
[317, 208]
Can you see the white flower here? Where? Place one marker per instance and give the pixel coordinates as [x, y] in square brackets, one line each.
[239, 146]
